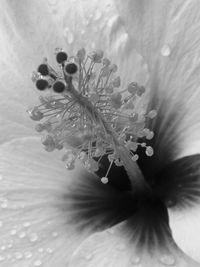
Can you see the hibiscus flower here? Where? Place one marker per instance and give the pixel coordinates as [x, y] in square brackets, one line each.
[54, 216]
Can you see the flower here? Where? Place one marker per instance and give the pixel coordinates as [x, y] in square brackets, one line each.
[50, 215]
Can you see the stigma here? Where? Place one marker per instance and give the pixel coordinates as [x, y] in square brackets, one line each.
[84, 112]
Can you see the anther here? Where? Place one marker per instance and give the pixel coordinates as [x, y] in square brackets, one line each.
[43, 69]
[70, 69]
[61, 57]
[59, 86]
[104, 180]
[42, 84]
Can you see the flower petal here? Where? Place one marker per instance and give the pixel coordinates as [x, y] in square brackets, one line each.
[36, 221]
[166, 34]
[185, 228]
[28, 33]
[46, 208]
[117, 247]
[178, 183]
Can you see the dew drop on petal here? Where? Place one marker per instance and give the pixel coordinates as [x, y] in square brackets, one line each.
[97, 15]
[26, 224]
[41, 250]
[167, 260]
[22, 235]
[54, 234]
[165, 50]
[52, 2]
[4, 205]
[37, 263]
[121, 247]
[13, 232]
[28, 254]
[2, 258]
[111, 231]
[10, 245]
[18, 255]
[3, 248]
[69, 35]
[33, 237]
[49, 250]
[135, 260]
[88, 256]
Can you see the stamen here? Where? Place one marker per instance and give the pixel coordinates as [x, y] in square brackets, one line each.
[43, 69]
[87, 115]
[42, 84]
[61, 56]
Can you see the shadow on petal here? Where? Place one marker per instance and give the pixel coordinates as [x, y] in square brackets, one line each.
[116, 247]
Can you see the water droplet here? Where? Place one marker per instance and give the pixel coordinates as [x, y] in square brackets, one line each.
[68, 35]
[37, 263]
[166, 50]
[4, 205]
[95, 29]
[49, 250]
[9, 256]
[82, 32]
[3, 247]
[41, 250]
[170, 202]
[18, 255]
[13, 232]
[88, 256]
[26, 224]
[121, 247]
[2, 258]
[28, 254]
[54, 234]
[22, 234]
[1, 223]
[135, 260]
[168, 260]
[10, 245]
[87, 22]
[111, 231]
[52, 2]
[97, 15]
[33, 237]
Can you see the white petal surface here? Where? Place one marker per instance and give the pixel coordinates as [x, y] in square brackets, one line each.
[185, 228]
[28, 33]
[115, 248]
[36, 218]
[166, 34]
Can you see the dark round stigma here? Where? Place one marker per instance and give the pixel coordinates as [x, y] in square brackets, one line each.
[42, 84]
[71, 68]
[43, 69]
[59, 86]
[61, 57]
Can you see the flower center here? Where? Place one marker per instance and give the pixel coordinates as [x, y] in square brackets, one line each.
[86, 114]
